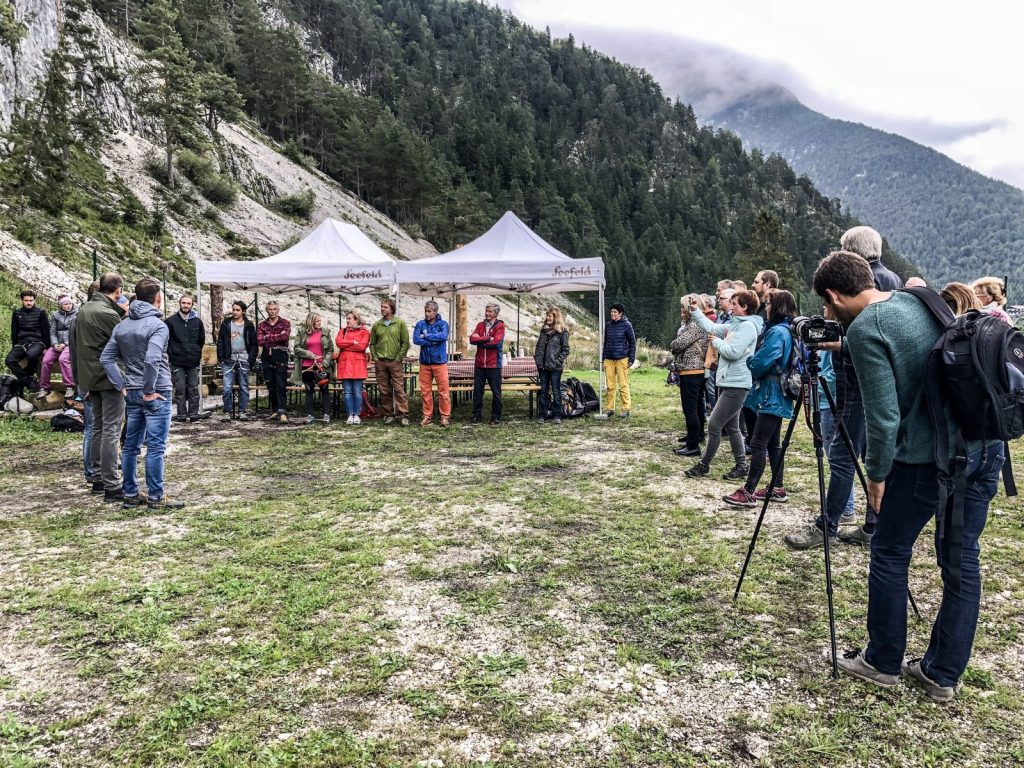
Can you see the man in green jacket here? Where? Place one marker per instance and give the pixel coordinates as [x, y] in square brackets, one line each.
[92, 329]
[389, 344]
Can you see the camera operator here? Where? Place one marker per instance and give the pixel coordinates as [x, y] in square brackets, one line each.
[313, 349]
[768, 401]
[890, 335]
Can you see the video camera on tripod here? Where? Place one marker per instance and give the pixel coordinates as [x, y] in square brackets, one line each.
[816, 330]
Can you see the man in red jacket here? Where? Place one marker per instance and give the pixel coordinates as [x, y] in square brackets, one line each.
[489, 337]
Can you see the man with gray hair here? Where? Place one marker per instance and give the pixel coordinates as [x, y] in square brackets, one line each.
[272, 337]
[489, 337]
[867, 243]
[431, 335]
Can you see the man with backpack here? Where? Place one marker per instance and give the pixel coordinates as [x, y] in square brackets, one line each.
[30, 337]
[890, 336]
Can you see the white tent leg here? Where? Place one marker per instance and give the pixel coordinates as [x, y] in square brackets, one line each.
[600, 353]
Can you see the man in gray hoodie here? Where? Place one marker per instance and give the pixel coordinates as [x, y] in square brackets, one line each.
[140, 344]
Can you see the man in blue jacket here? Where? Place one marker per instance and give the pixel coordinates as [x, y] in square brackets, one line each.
[618, 355]
[140, 344]
[431, 334]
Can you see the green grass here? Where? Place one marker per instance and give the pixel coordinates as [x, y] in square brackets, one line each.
[524, 596]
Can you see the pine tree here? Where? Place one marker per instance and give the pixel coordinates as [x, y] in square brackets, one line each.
[766, 249]
[171, 90]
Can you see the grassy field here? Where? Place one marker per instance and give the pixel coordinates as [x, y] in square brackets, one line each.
[522, 596]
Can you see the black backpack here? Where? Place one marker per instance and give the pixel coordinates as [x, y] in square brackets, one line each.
[66, 422]
[585, 394]
[9, 387]
[572, 406]
[976, 367]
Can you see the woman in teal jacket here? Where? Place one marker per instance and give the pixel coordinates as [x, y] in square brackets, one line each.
[735, 343]
[768, 401]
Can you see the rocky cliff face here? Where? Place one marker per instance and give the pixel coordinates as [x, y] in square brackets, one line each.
[24, 65]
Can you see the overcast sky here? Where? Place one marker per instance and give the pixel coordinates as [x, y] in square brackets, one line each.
[947, 75]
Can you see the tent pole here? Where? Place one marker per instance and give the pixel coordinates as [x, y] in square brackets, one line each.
[256, 304]
[600, 354]
[519, 344]
[309, 306]
[341, 317]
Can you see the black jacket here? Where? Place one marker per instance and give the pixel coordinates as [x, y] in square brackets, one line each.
[224, 341]
[885, 278]
[29, 326]
[185, 344]
[552, 350]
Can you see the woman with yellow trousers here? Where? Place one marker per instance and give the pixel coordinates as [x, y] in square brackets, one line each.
[617, 356]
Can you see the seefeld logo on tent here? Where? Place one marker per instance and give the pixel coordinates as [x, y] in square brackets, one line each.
[571, 272]
[366, 274]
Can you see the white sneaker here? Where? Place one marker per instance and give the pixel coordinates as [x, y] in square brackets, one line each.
[356, 420]
[349, 420]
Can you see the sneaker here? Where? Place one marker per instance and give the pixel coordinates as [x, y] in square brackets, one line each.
[165, 503]
[243, 416]
[445, 421]
[97, 487]
[740, 498]
[426, 422]
[935, 692]
[282, 418]
[42, 394]
[308, 420]
[404, 421]
[226, 417]
[557, 420]
[325, 419]
[779, 495]
[624, 415]
[848, 514]
[684, 451]
[389, 419]
[138, 500]
[541, 420]
[700, 469]
[495, 422]
[856, 536]
[853, 664]
[348, 420]
[356, 420]
[115, 496]
[809, 538]
[609, 414]
[739, 472]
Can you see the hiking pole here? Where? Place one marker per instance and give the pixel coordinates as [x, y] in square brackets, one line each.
[848, 442]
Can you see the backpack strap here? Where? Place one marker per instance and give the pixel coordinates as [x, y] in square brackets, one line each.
[1009, 484]
[951, 523]
[935, 303]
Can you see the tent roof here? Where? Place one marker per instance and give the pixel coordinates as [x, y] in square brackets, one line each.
[334, 258]
[508, 258]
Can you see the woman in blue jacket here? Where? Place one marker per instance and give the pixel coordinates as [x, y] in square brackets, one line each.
[767, 400]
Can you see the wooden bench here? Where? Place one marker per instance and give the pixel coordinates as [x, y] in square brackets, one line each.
[518, 375]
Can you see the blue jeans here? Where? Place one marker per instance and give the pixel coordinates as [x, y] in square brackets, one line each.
[229, 372]
[829, 435]
[353, 390]
[552, 380]
[912, 500]
[842, 473]
[90, 473]
[148, 422]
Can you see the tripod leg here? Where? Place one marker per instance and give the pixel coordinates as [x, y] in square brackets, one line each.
[820, 453]
[768, 496]
[856, 466]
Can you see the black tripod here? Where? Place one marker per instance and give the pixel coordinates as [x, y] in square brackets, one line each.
[809, 400]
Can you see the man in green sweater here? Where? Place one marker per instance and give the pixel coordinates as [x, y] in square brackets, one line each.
[890, 334]
[389, 344]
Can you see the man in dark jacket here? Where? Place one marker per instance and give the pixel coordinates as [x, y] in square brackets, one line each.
[30, 336]
[139, 344]
[618, 355]
[96, 321]
[236, 352]
[185, 353]
[866, 242]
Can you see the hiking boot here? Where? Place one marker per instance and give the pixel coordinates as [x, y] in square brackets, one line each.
[935, 692]
[42, 394]
[853, 664]
[739, 472]
[243, 416]
[138, 500]
[115, 496]
[445, 421]
[809, 538]
[858, 536]
[165, 503]
[684, 451]
[97, 487]
[282, 418]
[848, 514]
[389, 419]
[227, 417]
[624, 415]
[779, 495]
[308, 420]
[426, 422]
[700, 469]
[740, 498]
[404, 421]
[684, 439]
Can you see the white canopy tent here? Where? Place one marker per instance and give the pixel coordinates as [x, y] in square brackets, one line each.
[508, 258]
[334, 258]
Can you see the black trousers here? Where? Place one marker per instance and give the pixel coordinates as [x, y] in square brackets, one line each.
[691, 394]
[32, 353]
[276, 377]
[764, 438]
[309, 381]
[492, 378]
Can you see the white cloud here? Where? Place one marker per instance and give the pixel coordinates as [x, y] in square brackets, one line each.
[948, 76]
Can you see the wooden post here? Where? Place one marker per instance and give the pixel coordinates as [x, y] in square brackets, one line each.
[461, 326]
[216, 309]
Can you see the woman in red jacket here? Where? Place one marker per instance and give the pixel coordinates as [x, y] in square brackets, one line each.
[351, 342]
